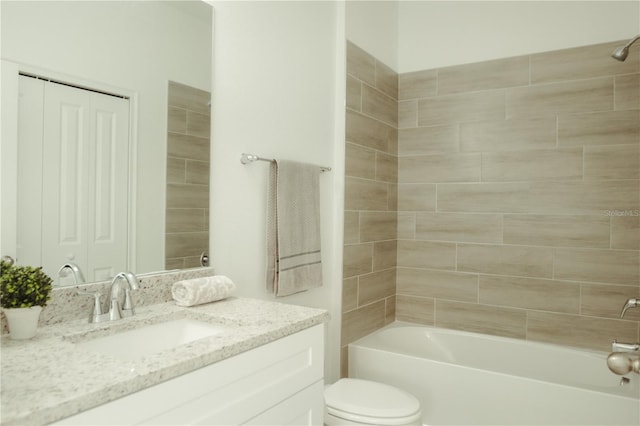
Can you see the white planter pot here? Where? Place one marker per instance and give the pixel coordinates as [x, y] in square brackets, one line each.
[23, 322]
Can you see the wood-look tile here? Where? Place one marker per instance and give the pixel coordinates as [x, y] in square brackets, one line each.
[418, 310]
[376, 286]
[349, 294]
[357, 259]
[407, 114]
[389, 310]
[493, 320]
[560, 98]
[545, 164]
[199, 124]
[186, 146]
[625, 231]
[508, 135]
[354, 93]
[612, 162]
[187, 196]
[360, 161]
[579, 331]
[360, 64]
[386, 80]
[580, 63]
[385, 255]
[386, 169]
[185, 220]
[174, 263]
[378, 226]
[461, 227]
[484, 197]
[530, 293]
[344, 361]
[369, 132]
[456, 167]
[351, 227]
[426, 254]
[392, 196]
[416, 197]
[606, 301]
[523, 261]
[487, 75]
[627, 92]
[176, 170]
[599, 128]
[363, 194]
[418, 84]
[557, 230]
[198, 172]
[438, 284]
[477, 106]
[187, 97]
[428, 140]
[597, 265]
[186, 244]
[177, 120]
[362, 321]
[583, 198]
[379, 105]
[406, 226]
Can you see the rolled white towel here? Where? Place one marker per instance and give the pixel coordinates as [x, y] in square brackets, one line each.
[202, 290]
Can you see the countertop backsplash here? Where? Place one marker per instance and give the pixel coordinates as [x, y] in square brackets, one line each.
[67, 305]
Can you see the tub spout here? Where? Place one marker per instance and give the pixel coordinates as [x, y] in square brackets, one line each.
[630, 303]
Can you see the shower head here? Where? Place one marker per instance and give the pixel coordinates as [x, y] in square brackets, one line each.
[621, 53]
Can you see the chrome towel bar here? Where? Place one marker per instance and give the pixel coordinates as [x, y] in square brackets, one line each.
[250, 158]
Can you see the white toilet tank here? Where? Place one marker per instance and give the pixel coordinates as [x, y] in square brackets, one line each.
[363, 402]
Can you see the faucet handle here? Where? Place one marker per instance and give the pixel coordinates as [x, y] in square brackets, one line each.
[97, 306]
[630, 303]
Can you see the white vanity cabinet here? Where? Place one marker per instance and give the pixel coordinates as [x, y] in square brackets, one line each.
[278, 383]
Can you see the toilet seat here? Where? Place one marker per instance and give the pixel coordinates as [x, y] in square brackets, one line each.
[367, 402]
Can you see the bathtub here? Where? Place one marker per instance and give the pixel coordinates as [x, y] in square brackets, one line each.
[474, 379]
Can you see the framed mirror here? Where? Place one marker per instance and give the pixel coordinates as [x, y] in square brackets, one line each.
[134, 176]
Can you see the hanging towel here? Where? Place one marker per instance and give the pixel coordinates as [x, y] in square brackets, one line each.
[293, 228]
[202, 290]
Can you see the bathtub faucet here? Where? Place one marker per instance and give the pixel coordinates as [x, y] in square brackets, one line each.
[630, 303]
[624, 347]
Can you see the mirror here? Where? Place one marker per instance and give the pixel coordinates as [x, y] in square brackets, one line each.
[156, 55]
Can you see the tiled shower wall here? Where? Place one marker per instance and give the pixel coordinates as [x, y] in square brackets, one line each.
[187, 215]
[369, 286]
[519, 197]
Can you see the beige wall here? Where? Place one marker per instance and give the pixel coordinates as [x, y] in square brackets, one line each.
[188, 146]
[371, 168]
[518, 197]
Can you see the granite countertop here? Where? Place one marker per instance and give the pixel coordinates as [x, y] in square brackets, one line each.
[49, 378]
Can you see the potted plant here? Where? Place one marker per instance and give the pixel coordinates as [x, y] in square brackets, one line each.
[24, 291]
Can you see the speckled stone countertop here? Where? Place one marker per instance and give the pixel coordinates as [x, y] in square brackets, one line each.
[49, 378]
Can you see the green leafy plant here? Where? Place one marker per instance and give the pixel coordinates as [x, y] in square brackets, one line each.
[23, 286]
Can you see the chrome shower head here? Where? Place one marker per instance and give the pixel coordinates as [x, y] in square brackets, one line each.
[621, 53]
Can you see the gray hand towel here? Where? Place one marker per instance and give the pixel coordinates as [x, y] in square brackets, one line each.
[293, 228]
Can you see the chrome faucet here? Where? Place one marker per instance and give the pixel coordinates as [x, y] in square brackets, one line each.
[127, 310]
[624, 347]
[115, 311]
[630, 303]
[78, 278]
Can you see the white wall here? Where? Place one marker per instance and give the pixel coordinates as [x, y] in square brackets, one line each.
[278, 92]
[136, 46]
[373, 26]
[435, 34]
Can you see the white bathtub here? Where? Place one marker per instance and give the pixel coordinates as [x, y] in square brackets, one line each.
[475, 379]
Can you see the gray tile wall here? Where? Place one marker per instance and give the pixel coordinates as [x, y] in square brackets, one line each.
[187, 214]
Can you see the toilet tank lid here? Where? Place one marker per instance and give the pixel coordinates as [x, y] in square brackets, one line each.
[371, 399]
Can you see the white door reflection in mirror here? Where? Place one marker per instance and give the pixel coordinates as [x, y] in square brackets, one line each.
[79, 140]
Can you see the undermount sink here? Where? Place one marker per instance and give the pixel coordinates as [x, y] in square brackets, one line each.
[133, 344]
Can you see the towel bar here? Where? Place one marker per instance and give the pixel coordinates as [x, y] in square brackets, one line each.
[250, 158]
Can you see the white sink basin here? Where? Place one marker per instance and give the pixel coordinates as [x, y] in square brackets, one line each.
[134, 344]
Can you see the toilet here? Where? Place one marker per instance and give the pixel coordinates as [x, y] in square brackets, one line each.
[363, 402]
